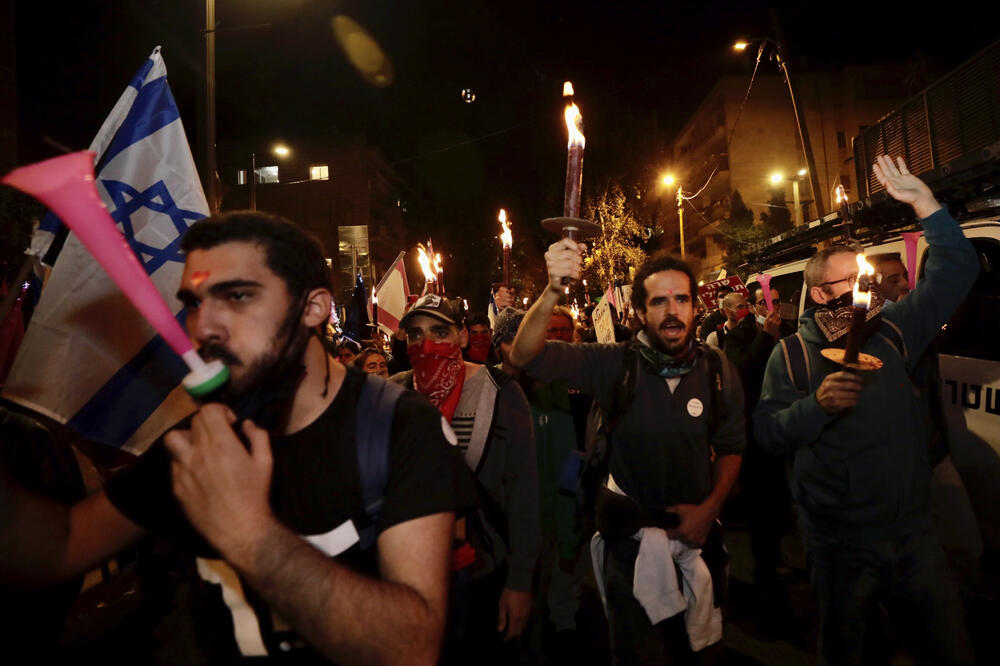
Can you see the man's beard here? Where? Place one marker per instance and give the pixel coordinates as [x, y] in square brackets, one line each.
[267, 389]
[672, 348]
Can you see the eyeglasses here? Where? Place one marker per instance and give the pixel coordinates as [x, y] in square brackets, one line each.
[850, 280]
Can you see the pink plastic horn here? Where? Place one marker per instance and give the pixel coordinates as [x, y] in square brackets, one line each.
[910, 241]
[765, 287]
[66, 185]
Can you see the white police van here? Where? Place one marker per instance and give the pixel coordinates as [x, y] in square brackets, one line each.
[969, 360]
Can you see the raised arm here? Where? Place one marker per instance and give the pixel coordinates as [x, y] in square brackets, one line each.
[951, 267]
[563, 259]
[348, 617]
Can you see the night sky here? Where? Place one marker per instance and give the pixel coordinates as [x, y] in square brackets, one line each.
[640, 69]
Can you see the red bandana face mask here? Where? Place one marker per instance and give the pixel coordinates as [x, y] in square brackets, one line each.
[742, 313]
[438, 373]
[479, 346]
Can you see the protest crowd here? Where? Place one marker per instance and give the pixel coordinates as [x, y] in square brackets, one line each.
[534, 484]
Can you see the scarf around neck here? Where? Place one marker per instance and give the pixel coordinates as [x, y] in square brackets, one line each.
[438, 373]
[663, 364]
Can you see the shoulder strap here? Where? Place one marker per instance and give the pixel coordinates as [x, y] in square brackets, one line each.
[624, 392]
[891, 333]
[376, 406]
[718, 406]
[797, 362]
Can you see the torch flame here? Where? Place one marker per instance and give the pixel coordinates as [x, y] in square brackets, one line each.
[841, 195]
[374, 297]
[506, 237]
[862, 294]
[437, 263]
[425, 264]
[574, 124]
[568, 89]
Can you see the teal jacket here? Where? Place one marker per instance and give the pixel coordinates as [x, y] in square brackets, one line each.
[555, 441]
[863, 474]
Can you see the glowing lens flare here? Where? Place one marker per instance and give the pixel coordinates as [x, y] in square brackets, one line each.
[506, 237]
[862, 299]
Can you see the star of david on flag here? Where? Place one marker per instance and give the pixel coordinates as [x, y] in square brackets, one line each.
[127, 200]
[89, 359]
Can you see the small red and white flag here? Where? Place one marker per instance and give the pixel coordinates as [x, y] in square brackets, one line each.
[391, 294]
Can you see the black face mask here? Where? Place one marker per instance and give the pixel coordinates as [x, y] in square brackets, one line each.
[845, 300]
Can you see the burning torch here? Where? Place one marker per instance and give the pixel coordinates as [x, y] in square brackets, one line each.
[507, 240]
[570, 225]
[851, 356]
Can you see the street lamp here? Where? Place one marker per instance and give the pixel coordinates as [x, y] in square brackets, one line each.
[668, 181]
[800, 121]
[279, 149]
[777, 178]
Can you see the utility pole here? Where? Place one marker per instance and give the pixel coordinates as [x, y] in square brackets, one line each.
[800, 120]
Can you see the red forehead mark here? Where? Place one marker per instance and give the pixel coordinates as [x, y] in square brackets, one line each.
[199, 276]
[670, 292]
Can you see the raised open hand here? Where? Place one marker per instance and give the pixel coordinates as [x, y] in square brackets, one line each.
[904, 186]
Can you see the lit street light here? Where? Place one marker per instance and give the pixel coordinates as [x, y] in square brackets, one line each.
[777, 178]
[668, 181]
[279, 149]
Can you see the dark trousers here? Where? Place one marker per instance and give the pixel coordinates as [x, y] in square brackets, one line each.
[769, 505]
[910, 573]
[474, 614]
[634, 639]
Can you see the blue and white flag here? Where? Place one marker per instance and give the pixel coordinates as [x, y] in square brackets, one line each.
[492, 312]
[89, 359]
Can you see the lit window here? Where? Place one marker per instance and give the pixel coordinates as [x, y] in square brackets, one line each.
[268, 174]
[241, 176]
[320, 172]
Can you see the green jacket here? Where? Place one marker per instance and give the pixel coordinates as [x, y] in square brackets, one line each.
[863, 474]
[555, 440]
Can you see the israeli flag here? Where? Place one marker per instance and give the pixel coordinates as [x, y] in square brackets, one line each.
[89, 359]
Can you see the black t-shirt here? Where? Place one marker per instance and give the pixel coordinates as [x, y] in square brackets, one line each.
[315, 486]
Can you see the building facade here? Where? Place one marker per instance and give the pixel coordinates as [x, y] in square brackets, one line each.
[342, 190]
[729, 146]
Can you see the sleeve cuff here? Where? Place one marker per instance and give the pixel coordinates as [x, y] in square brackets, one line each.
[519, 578]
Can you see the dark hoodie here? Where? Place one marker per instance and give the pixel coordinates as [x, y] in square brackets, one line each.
[863, 474]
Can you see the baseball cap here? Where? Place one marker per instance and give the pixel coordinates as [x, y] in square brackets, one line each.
[435, 306]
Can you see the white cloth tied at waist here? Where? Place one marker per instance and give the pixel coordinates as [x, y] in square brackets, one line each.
[655, 584]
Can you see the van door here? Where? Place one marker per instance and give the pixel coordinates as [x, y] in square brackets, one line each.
[970, 372]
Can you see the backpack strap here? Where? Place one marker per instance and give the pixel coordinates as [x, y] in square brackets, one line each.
[891, 334]
[375, 409]
[797, 362]
[718, 406]
[624, 392]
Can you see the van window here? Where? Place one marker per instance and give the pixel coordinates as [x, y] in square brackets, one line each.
[975, 328]
[789, 288]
